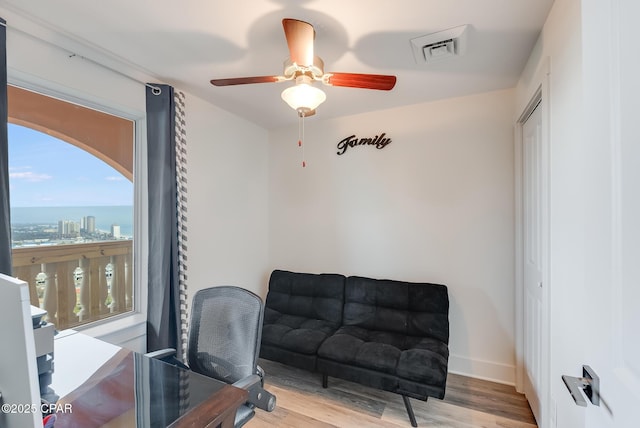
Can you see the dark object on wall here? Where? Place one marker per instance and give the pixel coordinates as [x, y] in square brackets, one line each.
[386, 334]
[379, 142]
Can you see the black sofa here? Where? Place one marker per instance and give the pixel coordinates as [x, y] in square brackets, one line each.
[390, 335]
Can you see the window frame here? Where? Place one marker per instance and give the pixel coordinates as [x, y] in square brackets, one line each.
[127, 329]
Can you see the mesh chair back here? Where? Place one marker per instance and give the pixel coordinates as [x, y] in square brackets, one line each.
[226, 329]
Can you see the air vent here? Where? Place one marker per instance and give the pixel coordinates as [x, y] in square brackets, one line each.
[440, 46]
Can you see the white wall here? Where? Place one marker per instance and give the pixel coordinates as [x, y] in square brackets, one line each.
[227, 163]
[435, 205]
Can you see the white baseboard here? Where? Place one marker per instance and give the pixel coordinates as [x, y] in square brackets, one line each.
[487, 370]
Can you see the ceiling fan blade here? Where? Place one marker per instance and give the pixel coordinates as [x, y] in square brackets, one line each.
[300, 36]
[365, 81]
[246, 80]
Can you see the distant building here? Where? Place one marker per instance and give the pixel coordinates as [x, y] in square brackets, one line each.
[90, 224]
[68, 229]
[115, 231]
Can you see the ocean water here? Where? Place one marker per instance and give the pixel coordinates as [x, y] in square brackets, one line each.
[121, 215]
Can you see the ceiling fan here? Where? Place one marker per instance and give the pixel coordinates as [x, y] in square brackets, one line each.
[305, 68]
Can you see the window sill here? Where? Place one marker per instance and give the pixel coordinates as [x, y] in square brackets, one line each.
[129, 331]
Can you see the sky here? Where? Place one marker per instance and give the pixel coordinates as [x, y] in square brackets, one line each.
[47, 172]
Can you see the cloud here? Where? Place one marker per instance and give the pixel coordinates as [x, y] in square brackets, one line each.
[114, 178]
[30, 176]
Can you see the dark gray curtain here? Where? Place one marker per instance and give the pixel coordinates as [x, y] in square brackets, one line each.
[163, 313]
[5, 214]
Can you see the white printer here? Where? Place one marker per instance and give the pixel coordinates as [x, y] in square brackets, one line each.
[43, 333]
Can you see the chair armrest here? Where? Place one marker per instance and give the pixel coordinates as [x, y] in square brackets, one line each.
[258, 396]
[247, 382]
[260, 372]
[168, 356]
[161, 353]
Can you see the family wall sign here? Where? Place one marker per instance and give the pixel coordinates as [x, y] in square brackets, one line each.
[379, 142]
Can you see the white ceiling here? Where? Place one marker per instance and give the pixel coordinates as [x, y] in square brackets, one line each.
[186, 43]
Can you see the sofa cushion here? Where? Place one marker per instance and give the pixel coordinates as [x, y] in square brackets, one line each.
[407, 308]
[302, 310]
[293, 332]
[374, 350]
[425, 362]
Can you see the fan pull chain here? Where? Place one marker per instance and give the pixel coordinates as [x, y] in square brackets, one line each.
[301, 136]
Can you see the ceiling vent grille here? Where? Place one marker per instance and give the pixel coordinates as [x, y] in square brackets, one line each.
[440, 46]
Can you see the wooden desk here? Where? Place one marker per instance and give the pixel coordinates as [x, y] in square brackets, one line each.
[102, 385]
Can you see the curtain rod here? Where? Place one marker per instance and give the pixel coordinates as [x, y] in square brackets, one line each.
[156, 90]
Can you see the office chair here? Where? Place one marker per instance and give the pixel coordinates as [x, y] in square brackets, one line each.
[224, 343]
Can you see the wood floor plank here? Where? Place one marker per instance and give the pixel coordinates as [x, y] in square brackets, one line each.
[324, 409]
[310, 384]
[285, 418]
[442, 413]
[489, 397]
[469, 403]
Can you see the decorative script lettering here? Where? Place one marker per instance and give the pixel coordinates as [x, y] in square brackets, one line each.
[379, 141]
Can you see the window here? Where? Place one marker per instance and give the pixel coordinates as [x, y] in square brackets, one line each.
[71, 186]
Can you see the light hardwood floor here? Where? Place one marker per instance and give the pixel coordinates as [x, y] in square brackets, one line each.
[302, 403]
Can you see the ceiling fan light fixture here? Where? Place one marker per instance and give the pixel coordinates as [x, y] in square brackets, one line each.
[303, 97]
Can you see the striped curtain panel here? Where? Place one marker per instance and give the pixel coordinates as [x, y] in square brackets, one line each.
[181, 187]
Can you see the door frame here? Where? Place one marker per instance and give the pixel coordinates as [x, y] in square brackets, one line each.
[541, 96]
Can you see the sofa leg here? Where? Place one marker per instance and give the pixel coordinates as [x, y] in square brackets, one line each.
[325, 380]
[412, 416]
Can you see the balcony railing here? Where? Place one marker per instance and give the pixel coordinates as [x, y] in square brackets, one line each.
[78, 283]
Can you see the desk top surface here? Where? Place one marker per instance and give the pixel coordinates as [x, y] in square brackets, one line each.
[102, 385]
